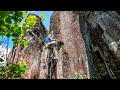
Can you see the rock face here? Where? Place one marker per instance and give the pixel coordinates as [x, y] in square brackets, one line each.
[91, 46]
[101, 33]
[72, 55]
[34, 52]
[91, 43]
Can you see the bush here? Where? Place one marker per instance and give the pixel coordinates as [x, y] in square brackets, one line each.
[12, 70]
[80, 76]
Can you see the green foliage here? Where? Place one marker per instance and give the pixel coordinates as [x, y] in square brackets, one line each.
[80, 76]
[12, 24]
[12, 70]
[23, 43]
[30, 22]
[43, 15]
[1, 60]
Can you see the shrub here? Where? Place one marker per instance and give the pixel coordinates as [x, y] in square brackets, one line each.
[12, 70]
[78, 75]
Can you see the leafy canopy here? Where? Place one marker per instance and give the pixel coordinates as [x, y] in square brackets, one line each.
[12, 24]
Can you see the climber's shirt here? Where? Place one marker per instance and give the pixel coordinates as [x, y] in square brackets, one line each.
[48, 40]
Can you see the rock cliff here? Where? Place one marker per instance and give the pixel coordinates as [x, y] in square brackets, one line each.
[101, 33]
[91, 46]
[34, 52]
[73, 58]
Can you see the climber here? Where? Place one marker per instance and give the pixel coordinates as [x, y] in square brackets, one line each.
[50, 40]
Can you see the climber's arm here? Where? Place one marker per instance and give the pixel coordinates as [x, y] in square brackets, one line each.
[52, 39]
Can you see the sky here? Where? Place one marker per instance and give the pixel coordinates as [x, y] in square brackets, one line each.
[46, 23]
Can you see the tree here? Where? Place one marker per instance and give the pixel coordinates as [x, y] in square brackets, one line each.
[12, 24]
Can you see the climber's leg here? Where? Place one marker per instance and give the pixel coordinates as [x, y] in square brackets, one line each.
[49, 64]
[48, 59]
[50, 67]
[55, 53]
[54, 72]
[48, 76]
[48, 54]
